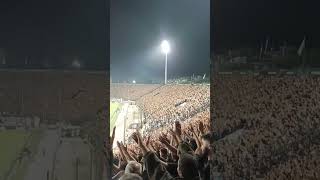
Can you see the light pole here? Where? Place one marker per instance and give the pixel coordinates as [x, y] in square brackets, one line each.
[165, 49]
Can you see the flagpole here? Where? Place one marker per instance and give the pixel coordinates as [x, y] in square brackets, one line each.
[300, 51]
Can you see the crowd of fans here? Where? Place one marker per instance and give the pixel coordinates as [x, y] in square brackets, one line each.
[262, 126]
[180, 152]
[171, 103]
[267, 126]
[131, 91]
[177, 151]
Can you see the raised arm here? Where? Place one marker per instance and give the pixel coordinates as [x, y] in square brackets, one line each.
[166, 143]
[138, 139]
[126, 153]
[121, 152]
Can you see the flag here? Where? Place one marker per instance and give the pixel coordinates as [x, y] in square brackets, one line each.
[302, 46]
[266, 47]
[204, 76]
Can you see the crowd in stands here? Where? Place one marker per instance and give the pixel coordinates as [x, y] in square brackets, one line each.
[180, 152]
[131, 91]
[171, 103]
[263, 126]
[267, 126]
[189, 80]
[177, 146]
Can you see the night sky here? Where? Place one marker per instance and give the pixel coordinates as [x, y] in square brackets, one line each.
[138, 27]
[52, 34]
[247, 23]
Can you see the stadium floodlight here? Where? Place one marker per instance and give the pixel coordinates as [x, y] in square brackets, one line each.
[165, 49]
[165, 46]
[133, 81]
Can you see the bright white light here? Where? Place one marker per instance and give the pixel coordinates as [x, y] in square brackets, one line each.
[133, 81]
[165, 46]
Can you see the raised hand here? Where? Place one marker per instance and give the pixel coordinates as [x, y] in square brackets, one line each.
[165, 135]
[125, 147]
[178, 128]
[154, 145]
[138, 139]
[190, 128]
[171, 131]
[132, 152]
[122, 146]
[207, 127]
[121, 152]
[201, 127]
[135, 137]
[164, 140]
[148, 141]
[118, 144]
[108, 144]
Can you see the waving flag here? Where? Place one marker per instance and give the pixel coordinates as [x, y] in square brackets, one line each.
[302, 46]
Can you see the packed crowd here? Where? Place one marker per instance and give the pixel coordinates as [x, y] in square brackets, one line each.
[131, 91]
[262, 126]
[172, 103]
[267, 126]
[161, 151]
[178, 152]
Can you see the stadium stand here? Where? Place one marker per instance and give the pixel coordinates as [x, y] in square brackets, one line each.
[175, 139]
[53, 95]
[172, 103]
[264, 127]
[131, 91]
[267, 126]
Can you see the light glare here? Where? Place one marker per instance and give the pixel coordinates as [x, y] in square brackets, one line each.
[165, 47]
